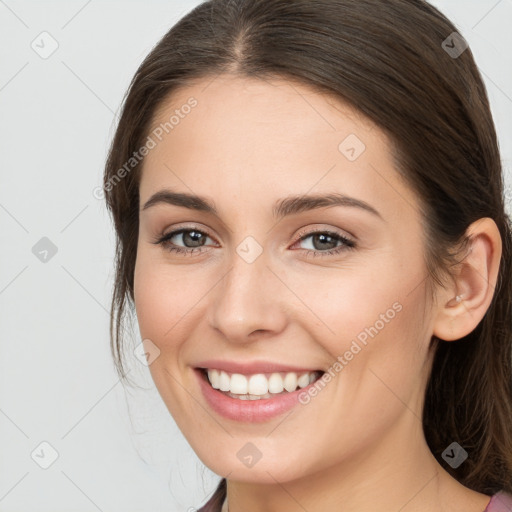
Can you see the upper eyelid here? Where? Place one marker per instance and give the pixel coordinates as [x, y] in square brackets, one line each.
[181, 229]
[335, 231]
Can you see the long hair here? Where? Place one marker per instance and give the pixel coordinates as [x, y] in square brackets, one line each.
[394, 61]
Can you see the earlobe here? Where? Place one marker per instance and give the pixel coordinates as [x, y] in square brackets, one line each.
[463, 305]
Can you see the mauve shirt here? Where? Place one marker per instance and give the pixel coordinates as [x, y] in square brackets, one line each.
[499, 502]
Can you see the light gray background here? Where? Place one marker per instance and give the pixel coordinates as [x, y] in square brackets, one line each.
[118, 449]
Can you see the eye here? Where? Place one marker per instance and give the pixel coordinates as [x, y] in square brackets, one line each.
[328, 241]
[323, 243]
[191, 237]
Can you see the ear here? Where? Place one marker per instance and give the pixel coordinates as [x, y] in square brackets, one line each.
[462, 305]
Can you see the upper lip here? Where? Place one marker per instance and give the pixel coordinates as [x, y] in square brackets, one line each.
[253, 367]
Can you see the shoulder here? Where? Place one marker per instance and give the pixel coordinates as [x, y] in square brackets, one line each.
[500, 502]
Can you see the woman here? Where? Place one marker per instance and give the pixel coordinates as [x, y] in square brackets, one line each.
[374, 373]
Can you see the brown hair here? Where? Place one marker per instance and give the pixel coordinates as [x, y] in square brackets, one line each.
[385, 58]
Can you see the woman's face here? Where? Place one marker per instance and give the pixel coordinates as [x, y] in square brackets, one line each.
[261, 281]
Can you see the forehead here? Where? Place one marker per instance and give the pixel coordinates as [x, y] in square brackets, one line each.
[266, 138]
[227, 102]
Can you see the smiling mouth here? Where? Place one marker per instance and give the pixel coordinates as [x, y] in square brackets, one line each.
[260, 385]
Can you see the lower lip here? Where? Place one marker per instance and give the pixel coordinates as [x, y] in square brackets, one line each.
[253, 411]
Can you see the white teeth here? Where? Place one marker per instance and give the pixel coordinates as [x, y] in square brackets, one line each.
[238, 384]
[213, 375]
[275, 383]
[303, 380]
[290, 382]
[224, 381]
[258, 386]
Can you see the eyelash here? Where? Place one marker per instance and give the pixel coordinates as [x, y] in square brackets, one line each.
[347, 244]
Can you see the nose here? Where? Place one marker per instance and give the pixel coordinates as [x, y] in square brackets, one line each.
[248, 301]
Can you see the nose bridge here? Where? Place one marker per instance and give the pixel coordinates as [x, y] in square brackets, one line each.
[247, 297]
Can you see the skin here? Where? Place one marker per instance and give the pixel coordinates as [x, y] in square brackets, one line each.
[359, 443]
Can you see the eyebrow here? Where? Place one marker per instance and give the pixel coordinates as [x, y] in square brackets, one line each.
[282, 208]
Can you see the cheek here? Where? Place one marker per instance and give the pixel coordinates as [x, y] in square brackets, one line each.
[370, 316]
[343, 302]
[167, 300]
[164, 314]
[378, 352]
[155, 304]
